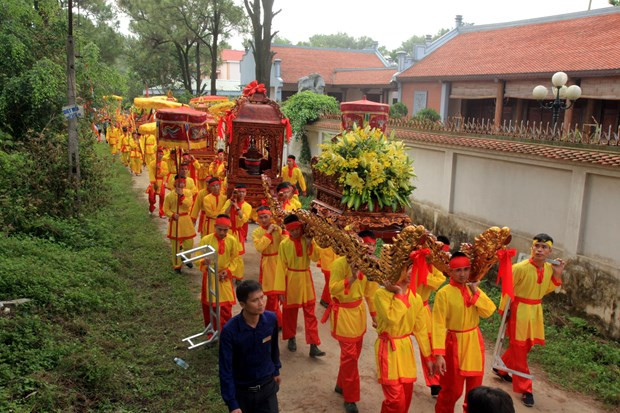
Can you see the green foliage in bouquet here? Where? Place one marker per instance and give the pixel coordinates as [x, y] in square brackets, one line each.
[373, 169]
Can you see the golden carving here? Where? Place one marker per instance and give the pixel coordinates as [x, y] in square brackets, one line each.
[483, 252]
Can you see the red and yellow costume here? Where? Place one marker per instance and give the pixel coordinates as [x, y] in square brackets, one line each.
[181, 231]
[150, 148]
[294, 176]
[347, 314]
[268, 245]
[158, 170]
[190, 185]
[424, 288]
[113, 140]
[293, 271]
[326, 258]
[456, 336]
[202, 176]
[212, 206]
[125, 148]
[525, 324]
[398, 317]
[228, 259]
[135, 156]
[238, 227]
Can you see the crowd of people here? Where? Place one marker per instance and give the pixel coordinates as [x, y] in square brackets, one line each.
[192, 196]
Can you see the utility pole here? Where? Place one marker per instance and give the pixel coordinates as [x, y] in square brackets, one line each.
[73, 146]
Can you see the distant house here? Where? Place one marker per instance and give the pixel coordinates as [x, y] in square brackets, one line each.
[348, 74]
[489, 71]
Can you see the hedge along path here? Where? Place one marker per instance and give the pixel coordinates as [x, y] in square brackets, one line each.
[308, 384]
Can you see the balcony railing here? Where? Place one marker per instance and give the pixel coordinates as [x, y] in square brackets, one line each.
[588, 134]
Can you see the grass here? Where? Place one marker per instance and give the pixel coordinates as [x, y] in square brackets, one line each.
[106, 317]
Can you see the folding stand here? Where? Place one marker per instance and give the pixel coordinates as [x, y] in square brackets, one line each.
[212, 330]
[498, 363]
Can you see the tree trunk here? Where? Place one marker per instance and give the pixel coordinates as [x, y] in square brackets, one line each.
[198, 76]
[261, 46]
[217, 15]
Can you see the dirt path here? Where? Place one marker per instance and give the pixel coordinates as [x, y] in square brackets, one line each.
[308, 384]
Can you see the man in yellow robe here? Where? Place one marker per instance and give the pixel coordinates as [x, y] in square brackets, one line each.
[292, 174]
[202, 175]
[190, 184]
[458, 345]
[347, 313]
[125, 148]
[286, 197]
[112, 137]
[158, 171]
[533, 279]
[177, 205]
[212, 205]
[293, 271]
[135, 154]
[326, 258]
[239, 212]
[423, 284]
[267, 238]
[217, 168]
[150, 146]
[229, 267]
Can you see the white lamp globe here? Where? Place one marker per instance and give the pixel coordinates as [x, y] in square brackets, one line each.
[540, 92]
[559, 79]
[563, 90]
[573, 92]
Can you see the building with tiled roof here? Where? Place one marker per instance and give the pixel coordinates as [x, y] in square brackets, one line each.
[489, 71]
[349, 74]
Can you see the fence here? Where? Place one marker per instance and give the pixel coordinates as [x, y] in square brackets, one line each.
[589, 134]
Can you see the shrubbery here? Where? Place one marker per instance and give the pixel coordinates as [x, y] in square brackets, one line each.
[428, 114]
[398, 110]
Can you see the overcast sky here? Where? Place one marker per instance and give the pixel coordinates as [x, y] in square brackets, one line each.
[390, 22]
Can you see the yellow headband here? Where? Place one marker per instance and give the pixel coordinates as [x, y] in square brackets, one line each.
[549, 243]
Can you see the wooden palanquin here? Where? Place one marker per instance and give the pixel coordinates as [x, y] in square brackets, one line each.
[203, 103]
[255, 146]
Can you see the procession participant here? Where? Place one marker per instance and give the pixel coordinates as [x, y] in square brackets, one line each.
[292, 174]
[240, 215]
[193, 164]
[197, 213]
[180, 229]
[267, 238]
[533, 279]
[229, 266]
[135, 154]
[158, 171]
[217, 168]
[347, 313]
[125, 148]
[293, 271]
[112, 138]
[457, 341]
[249, 355]
[189, 182]
[326, 257]
[150, 146]
[202, 175]
[171, 160]
[212, 205]
[285, 196]
[424, 284]
[400, 313]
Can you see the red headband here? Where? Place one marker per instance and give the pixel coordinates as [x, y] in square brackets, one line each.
[264, 212]
[180, 179]
[460, 262]
[215, 182]
[223, 221]
[293, 225]
[369, 240]
[446, 247]
[282, 189]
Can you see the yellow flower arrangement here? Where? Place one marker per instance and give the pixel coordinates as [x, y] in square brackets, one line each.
[373, 169]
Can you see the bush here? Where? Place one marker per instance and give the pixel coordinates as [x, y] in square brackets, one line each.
[428, 114]
[398, 110]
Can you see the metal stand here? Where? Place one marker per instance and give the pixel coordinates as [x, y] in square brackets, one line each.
[498, 363]
[212, 330]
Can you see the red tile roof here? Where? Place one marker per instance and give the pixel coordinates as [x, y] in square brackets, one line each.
[600, 158]
[300, 61]
[573, 45]
[232, 55]
[375, 76]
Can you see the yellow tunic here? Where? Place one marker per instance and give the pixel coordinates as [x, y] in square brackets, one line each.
[125, 139]
[526, 322]
[212, 207]
[348, 312]
[297, 177]
[434, 280]
[112, 140]
[185, 225]
[294, 273]
[197, 213]
[202, 173]
[229, 260]
[291, 205]
[157, 174]
[398, 317]
[326, 257]
[150, 148]
[190, 185]
[237, 229]
[218, 171]
[452, 316]
[268, 245]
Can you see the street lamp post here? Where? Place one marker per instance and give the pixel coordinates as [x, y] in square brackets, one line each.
[563, 96]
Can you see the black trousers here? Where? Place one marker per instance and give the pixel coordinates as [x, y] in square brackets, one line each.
[264, 400]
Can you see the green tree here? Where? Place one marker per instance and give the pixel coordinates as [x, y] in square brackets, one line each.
[281, 40]
[340, 40]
